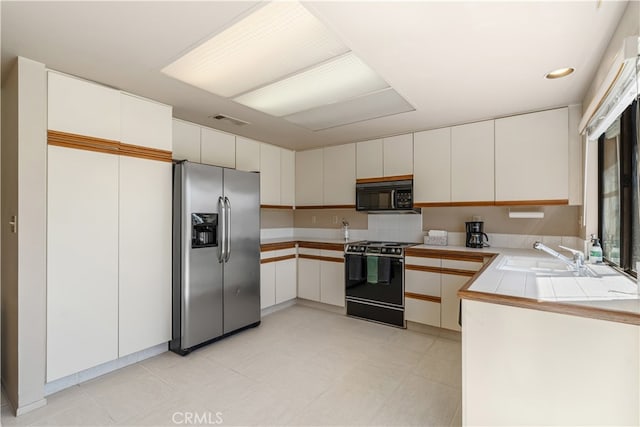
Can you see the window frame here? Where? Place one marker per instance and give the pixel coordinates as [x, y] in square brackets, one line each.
[628, 166]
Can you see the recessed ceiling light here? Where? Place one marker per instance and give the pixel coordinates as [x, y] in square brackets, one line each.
[559, 73]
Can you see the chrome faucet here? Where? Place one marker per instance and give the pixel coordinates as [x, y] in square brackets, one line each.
[576, 263]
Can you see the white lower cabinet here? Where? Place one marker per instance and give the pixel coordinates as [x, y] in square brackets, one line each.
[267, 284]
[82, 260]
[424, 306]
[450, 285]
[332, 286]
[285, 280]
[144, 254]
[309, 279]
[421, 311]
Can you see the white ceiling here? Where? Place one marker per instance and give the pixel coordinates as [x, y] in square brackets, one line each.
[455, 62]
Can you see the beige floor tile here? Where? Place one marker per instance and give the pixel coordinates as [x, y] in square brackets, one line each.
[418, 401]
[124, 399]
[88, 414]
[411, 340]
[445, 348]
[443, 371]
[175, 412]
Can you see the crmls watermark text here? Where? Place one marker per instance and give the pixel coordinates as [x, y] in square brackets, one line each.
[197, 418]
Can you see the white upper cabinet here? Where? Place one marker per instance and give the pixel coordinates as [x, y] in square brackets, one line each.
[83, 108]
[287, 177]
[269, 174]
[339, 173]
[472, 160]
[432, 166]
[369, 159]
[397, 155]
[217, 148]
[186, 141]
[309, 180]
[532, 156]
[145, 123]
[247, 154]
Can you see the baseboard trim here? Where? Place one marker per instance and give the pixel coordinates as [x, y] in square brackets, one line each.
[322, 306]
[30, 407]
[105, 368]
[274, 308]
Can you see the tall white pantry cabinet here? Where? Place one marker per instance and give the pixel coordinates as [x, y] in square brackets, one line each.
[109, 225]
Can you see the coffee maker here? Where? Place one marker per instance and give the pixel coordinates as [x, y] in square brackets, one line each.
[475, 235]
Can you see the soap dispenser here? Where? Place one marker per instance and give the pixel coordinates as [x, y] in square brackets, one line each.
[595, 254]
[345, 229]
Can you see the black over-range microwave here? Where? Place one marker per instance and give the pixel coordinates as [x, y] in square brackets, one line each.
[385, 196]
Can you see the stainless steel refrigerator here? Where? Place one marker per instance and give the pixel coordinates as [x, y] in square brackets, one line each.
[216, 253]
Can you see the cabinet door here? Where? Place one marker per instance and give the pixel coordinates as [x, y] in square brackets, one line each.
[247, 154]
[532, 156]
[450, 301]
[82, 260]
[145, 123]
[332, 286]
[339, 174]
[421, 311]
[309, 279]
[218, 148]
[287, 177]
[186, 141]
[269, 174]
[309, 170]
[424, 283]
[286, 284]
[267, 284]
[398, 155]
[369, 159]
[144, 254]
[83, 108]
[472, 175]
[432, 166]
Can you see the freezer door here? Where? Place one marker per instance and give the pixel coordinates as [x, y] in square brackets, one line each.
[242, 269]
[202, 273]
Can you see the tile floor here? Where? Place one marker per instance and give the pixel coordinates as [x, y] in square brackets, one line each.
[301, 366]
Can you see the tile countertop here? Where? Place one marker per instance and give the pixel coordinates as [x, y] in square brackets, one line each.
[610, 296]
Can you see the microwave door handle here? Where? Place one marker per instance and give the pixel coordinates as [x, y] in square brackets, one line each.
[227, 228]
[393, 199]
[221, 230]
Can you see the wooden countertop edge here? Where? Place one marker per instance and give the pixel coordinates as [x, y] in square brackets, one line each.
[549, 306]
[448, 254]
[265, 247]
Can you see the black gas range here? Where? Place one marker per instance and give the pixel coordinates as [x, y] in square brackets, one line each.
[374, 280]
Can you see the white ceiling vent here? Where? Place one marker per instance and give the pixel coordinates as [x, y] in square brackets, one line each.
[229, 119]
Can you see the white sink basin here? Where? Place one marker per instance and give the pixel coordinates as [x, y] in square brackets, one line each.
[533, 265]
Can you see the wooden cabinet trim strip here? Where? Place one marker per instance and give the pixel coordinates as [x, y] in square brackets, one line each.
[326, 207]
[266, 247]
[447, 254]
[423, 297]
[494, 203]
[89, 143]
[276, 207]
[145, 152]
[384, 179]
[422, 268]
[81, 142]
[277, 258]
[321, 258]
[321, 245]
[452, 271]
[531, 202]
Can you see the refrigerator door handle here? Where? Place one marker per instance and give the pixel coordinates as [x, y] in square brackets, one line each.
[222, 242]
[227, 229]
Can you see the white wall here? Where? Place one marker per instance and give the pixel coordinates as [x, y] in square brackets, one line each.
[24, 254]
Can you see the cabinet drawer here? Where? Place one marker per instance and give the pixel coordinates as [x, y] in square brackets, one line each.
[461, 265]
[420, 311]
[308, 251]
[331, 254]
[425, 262]
[422, 282]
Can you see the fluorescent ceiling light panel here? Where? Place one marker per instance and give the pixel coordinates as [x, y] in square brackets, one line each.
[333, 81]
[383, 103]
[275, 41]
